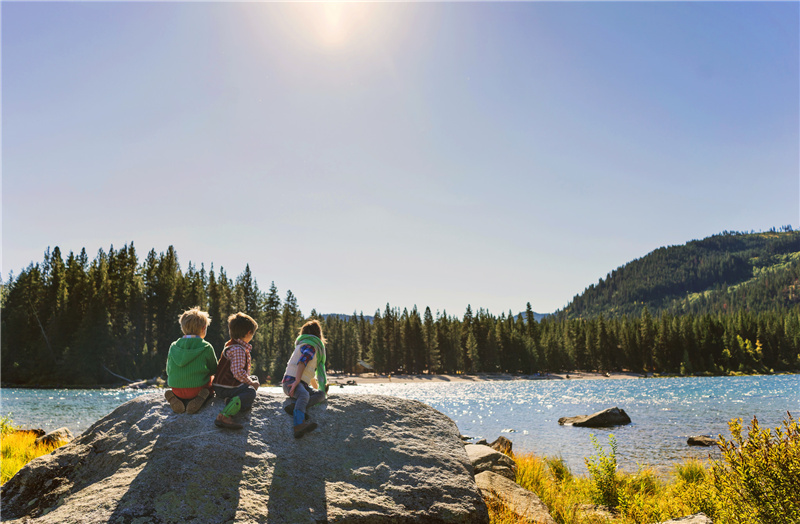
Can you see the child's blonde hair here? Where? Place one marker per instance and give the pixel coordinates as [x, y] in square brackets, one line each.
[240, 324]
[194, 322]
[313, 327]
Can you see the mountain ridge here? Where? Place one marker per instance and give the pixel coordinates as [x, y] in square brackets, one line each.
[723, 272]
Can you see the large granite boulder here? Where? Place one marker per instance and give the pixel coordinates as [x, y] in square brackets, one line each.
[484, 458]
[525, 504]
[608, 417]
[372, 459]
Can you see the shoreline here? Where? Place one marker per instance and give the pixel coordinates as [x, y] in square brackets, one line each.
[376, 378]
[336, 379]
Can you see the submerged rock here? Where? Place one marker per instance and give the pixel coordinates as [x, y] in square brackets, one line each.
[608, 417]
[372, 459]
[525, 504]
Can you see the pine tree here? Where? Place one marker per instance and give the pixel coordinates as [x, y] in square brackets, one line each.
[433, 361]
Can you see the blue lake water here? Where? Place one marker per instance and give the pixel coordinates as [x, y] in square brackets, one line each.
[664, 411]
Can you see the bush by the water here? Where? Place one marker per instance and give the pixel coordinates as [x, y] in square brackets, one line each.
[759, 479]
[17, 448]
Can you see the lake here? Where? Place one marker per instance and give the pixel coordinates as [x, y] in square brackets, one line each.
[664, 411]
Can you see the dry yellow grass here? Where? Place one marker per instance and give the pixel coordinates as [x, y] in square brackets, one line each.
[643, 496]
[17, 448]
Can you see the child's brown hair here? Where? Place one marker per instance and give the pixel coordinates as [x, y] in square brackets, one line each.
[240, 324]
[194, 322]
[313, 327]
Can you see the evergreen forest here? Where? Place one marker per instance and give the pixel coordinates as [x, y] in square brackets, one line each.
[719, 274]
[725, 304]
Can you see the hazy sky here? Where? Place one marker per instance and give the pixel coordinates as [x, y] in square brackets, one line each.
[437, 154]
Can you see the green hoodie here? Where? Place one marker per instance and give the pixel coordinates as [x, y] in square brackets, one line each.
[190, 363]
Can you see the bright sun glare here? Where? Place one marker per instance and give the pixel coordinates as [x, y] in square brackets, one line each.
[335, 23]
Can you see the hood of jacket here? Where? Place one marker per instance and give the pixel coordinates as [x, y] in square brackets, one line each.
[185, 350]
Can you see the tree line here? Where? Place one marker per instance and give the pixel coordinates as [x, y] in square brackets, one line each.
[80, 322]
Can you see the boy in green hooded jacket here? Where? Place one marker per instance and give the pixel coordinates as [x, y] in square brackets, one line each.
[191, 364]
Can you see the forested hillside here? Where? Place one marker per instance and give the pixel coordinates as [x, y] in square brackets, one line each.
[726, 272]
[77, 321]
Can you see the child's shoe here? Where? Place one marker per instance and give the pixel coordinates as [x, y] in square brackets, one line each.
[197, 402]
[226, 422]
[304, 428]
[174, 402]
[289, 408]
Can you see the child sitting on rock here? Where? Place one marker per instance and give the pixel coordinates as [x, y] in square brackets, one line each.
[233, 380]
[307, 360]
[191, 363]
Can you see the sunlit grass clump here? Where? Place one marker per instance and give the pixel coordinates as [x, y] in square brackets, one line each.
[17, 448]
[756, 481]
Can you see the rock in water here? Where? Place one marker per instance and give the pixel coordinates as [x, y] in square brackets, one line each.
[373, 459]
[701, 440]
[608, 417]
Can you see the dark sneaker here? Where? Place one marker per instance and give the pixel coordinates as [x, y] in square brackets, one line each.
[197, 402]
[175, 403]
[305, 427]
[226, 422]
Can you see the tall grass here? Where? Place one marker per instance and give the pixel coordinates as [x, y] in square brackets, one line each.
[17, 448]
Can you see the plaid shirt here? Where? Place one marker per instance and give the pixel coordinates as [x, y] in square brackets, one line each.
[239, 354]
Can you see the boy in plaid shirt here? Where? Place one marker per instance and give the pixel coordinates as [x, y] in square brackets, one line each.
[233, 380]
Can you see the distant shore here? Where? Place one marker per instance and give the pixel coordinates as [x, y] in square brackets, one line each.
[377, 378]
[383, 378]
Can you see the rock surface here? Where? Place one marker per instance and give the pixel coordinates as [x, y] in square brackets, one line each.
[55, 436]
[484, 458]
[701, 440]
[597, 512]
[608, 417]
[697, 518]
[372, 459]
[502, 444]
[524, 503]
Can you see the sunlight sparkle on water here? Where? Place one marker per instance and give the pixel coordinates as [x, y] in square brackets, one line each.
[664, 412]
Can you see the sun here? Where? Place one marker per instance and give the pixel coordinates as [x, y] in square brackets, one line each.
[336, 24]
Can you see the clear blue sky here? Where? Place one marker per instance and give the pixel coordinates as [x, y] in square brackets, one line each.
[433, 154]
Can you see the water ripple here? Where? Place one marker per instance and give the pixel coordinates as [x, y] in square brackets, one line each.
[664, 411]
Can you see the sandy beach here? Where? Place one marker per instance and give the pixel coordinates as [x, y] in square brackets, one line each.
[375, 378]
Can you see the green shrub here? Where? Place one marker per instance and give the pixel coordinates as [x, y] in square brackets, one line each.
[758, 478]
[603, 471]
[6, 425]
